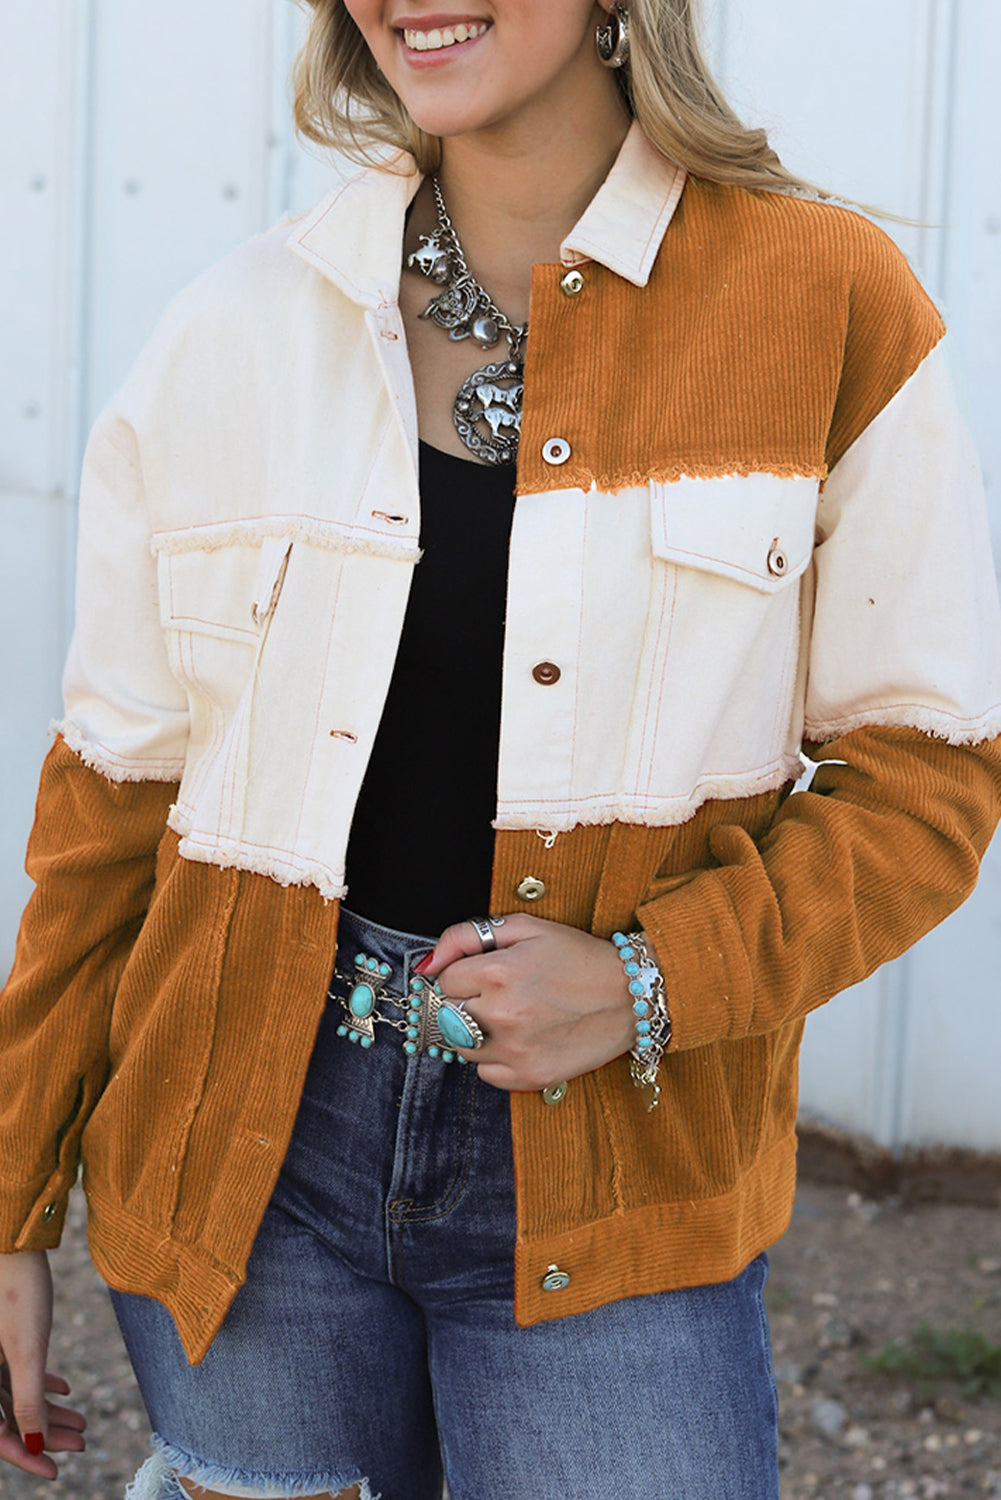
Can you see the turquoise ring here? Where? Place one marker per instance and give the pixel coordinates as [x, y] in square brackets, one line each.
[457, 1026]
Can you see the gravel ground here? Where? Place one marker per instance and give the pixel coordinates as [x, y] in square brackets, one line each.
[849, 1276]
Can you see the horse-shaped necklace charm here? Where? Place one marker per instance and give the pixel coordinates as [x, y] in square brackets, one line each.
[487, 408]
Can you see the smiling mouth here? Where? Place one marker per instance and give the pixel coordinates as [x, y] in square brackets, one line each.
[437, 38]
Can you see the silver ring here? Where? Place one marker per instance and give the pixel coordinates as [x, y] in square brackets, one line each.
[485, 932]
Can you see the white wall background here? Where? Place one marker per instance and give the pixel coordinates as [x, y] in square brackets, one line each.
[139, 143]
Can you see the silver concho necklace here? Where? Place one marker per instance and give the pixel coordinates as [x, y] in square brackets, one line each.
[487, 410]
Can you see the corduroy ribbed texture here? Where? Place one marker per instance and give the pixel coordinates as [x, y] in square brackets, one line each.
[751, 369]
[92, 859]
[849, 875]
[214, 1026]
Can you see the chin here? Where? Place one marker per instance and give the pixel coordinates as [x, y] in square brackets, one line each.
[449, 111]
[448, 123]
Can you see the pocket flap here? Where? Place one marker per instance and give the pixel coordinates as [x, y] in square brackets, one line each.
[227, 592]
[757, 529]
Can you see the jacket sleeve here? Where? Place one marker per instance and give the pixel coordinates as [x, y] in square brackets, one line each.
[883, 846]
[902, 653]
[91, 855]
[105, 792]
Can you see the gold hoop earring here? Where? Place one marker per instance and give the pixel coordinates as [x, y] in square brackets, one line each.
[613, 40]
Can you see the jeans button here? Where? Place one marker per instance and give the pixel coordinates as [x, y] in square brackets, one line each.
[555, 1093]
[555, 1279]
[531, 888]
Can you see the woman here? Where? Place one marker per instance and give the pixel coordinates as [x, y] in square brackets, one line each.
[320, 652]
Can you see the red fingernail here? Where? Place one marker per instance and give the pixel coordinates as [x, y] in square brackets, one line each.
[34, 1442]
[425, 963]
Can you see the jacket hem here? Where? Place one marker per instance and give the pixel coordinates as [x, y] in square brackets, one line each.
[658, 1248]
[131, 1256]
[936, 722]
[661, 1247]
[111, 766]
[284, 868]
[646, 812]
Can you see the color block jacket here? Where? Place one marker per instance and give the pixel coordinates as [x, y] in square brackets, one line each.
[761, 532]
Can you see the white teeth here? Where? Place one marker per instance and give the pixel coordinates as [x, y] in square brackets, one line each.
[447, 36]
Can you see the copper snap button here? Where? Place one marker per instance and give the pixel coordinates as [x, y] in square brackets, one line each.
[546, 673]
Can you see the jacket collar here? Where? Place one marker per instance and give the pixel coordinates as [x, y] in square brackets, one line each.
[626, 220]
[353, 236]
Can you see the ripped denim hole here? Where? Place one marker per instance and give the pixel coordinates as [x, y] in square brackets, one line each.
[158, 1480]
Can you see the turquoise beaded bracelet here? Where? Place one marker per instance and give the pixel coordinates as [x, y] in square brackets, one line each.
[653, 1020]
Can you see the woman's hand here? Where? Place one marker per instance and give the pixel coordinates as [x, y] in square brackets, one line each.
[551, 1000]
[30, 1422]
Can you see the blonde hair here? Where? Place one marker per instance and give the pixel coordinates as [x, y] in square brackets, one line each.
[342, 100]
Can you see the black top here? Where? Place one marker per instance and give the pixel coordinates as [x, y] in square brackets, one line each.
[421, 845]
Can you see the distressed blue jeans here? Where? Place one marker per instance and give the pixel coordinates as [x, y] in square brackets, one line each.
[374, 1341]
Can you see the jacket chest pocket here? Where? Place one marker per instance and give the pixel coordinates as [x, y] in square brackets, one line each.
[216, 607]
[227, 592]
[721, 665]
[757, 530]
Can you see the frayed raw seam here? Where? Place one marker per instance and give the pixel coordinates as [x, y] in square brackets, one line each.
[612, 482]
[157, 1479]
[668, 812]
[331, 536]
[232, 855]
[930, 721]
[111, 766]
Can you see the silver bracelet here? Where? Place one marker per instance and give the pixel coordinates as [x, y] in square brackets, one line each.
[649, 997]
